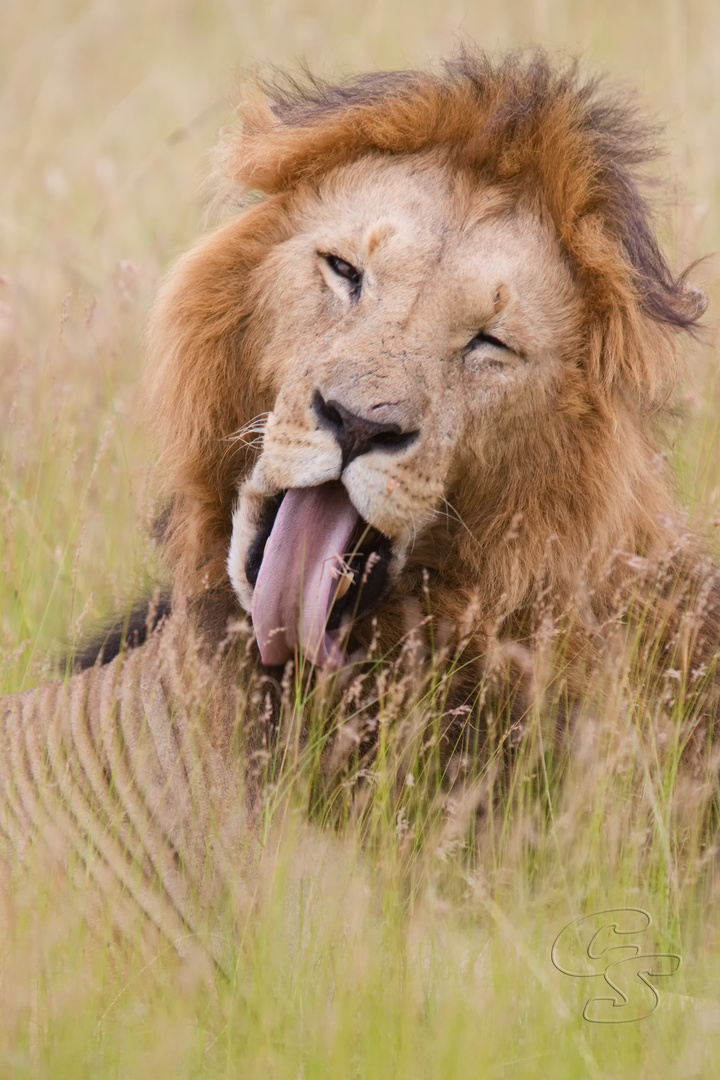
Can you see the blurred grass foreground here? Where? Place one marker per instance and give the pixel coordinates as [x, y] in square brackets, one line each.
[401, 957]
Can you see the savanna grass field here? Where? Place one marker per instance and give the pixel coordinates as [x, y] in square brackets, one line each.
[417, 945]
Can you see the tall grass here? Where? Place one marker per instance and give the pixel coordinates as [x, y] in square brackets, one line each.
[398, 935]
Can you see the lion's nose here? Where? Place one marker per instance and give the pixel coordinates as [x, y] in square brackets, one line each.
[357, 435]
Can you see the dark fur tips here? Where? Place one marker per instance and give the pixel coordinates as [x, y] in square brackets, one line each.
[120, 633]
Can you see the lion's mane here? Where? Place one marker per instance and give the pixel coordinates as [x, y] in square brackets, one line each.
[545, 137]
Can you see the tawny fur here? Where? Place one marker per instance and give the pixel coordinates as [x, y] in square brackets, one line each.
[567, 503]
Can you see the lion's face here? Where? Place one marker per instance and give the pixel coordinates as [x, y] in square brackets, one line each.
[419, 325]
[450, 321]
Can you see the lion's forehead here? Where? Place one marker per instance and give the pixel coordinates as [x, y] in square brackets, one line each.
[436, 249]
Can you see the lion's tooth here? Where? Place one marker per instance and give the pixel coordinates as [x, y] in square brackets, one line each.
[346, 580]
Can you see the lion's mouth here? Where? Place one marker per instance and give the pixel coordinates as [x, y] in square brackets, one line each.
[316, 566]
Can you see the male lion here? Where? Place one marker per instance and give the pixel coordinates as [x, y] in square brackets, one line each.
[444, 312]
[451, 324]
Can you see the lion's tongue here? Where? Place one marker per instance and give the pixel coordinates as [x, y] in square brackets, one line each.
[297, 579]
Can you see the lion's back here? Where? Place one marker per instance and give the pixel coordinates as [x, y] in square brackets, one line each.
[105, 776]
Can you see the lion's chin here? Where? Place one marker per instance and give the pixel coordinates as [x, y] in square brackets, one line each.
[316, 566]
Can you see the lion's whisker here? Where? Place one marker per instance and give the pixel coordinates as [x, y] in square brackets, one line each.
[454, 516]
[414, 528]
[254, 426]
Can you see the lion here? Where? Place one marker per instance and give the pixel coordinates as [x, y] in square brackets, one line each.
[450, 324]
[415, 380]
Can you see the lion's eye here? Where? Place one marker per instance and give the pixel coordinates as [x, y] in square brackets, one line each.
[486, 339]
[345, 270]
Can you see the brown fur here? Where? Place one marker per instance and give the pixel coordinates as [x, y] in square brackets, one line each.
[568, 509]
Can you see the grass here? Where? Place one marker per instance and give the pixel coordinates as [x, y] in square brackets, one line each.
[408, 944]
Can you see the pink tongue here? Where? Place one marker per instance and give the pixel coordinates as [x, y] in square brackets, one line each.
[298, 574]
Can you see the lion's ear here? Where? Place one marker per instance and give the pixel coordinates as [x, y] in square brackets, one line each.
[674, 301]
[695, 301]
[204, 386]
